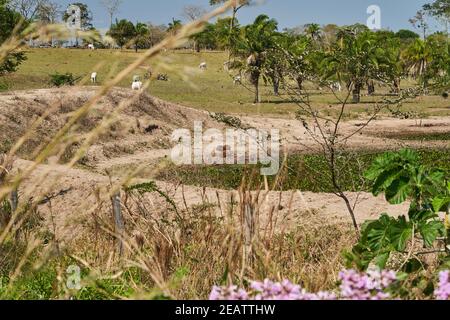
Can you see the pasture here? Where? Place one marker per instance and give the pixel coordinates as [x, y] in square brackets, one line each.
[212, 90]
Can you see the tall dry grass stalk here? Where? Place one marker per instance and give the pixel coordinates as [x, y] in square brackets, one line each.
[167, 249]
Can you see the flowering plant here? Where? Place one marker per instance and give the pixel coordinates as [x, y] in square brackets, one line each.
[371, 285]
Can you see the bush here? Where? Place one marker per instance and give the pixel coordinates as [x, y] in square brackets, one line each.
[3, 86]
[59, 80]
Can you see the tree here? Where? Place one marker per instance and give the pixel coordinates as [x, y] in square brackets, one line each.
[225, 36]
[439, 9]
[174, 26]
[156, 34]
[406, 35]
[27, 8]
[112, 7]
[298, 50]
[238, 5]
[192, 12]
[256, 40]
[48, 12]
[123, 32]
[419, 22]
[142, 33]
[9, 20]
[206, 38]
[356, 58]
[428, 60]
[313, 31]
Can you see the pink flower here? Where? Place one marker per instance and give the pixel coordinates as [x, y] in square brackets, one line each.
[443, 290]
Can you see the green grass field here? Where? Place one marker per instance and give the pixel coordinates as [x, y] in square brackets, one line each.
[211, 90]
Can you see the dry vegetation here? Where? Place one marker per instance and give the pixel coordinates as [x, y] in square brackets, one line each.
[70, 153]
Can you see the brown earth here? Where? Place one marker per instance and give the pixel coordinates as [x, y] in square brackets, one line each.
[142, 135]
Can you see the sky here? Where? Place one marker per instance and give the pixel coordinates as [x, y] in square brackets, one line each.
[289, 13]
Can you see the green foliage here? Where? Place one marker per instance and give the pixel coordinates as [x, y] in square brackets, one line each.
[306, 172]
[59, 80]
[9, 21]
[407, 35]
[402, 177]
[123, 32]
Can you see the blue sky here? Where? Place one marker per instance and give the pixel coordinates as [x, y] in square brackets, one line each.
[289, 13]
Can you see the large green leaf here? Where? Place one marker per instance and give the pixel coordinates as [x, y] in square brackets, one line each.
[377, 233]
[384, 180]
[430, 231]
[401, 232]
[441, 204]
[398, 191]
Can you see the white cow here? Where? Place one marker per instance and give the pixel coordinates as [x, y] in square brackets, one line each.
[203, 66]
[136, 85]
[237, 80]
[336, 86]
[91, 46]
[94, 77]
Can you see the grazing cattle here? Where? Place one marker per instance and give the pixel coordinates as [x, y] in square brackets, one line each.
[148, 74]
[237, 80]
[91, 46]
[203, 66]
[336, 86]
[94, 77]
[136, 85]
[162, 77]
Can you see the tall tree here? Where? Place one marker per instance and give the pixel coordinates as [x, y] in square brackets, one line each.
[48, 12]
[193, 13]
[313, 31]
[123, 32]
[112, 7]
[256, 41]
[174, 26]
[9, 20]
[238, 5]
[357, 58]
[156, 33]
[439, 9]
[419, 21]
[142, 36]
[27, 8]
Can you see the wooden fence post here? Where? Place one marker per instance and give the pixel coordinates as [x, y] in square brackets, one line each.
[14, 198]
[249, 228]
[118, 221]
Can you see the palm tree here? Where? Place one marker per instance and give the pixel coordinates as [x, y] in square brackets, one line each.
[299, 56]
[255, 42]
[313, 31]
[174, 26]
[417, 57]
[357, 58]
[142, 33]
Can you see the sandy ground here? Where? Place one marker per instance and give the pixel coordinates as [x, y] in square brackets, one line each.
[77, 190]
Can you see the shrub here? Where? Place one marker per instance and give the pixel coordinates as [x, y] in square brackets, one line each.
[59, 80]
